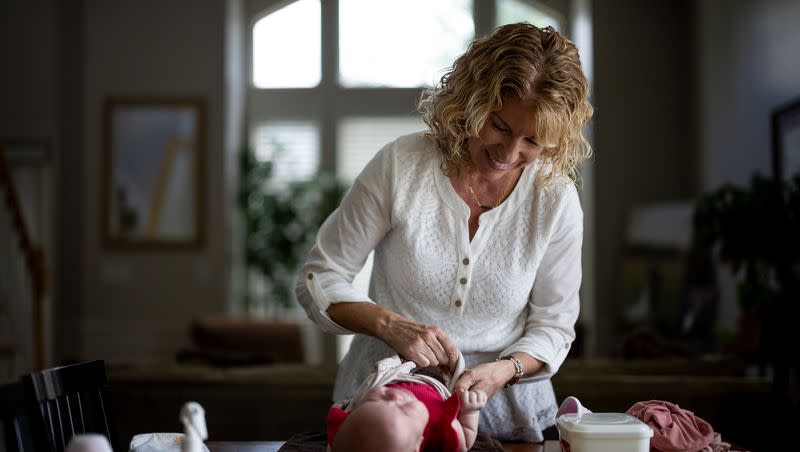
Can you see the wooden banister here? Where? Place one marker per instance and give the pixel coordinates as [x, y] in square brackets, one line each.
[34, 257]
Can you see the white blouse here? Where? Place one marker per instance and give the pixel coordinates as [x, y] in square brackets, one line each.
[512, 288]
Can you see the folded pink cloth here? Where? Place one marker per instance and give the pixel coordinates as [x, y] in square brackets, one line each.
[571, 405]
[674, 429]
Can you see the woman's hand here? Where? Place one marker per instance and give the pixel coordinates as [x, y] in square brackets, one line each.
[426, 345]
[486, 377]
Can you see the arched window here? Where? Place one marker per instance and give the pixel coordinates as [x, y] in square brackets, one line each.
[510, 11]
[332, 81]
[286, 47]
[400, 44]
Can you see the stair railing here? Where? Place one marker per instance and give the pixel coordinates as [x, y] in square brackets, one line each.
[34, 257]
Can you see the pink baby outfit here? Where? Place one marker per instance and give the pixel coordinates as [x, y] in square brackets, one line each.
[439, 433]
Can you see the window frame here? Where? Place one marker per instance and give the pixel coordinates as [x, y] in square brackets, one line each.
[329, 101]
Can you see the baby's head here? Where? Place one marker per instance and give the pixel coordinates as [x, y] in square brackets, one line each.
[387, 419]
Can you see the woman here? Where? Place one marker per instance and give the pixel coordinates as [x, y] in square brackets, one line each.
[477, 231]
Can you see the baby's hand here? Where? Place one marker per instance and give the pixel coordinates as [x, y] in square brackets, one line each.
[473, 400]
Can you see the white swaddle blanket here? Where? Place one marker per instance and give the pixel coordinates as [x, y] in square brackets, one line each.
[393, 369]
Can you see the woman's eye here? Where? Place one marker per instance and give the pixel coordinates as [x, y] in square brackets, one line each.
[499, 127]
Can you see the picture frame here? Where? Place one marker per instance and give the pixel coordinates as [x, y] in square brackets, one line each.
[786, 140]
[153, 191]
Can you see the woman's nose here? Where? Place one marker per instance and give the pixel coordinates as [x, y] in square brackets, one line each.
[511, 150]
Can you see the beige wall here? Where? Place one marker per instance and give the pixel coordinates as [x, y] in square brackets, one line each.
[683, 92]
[137, 305]
[64, 58]
[645, 150]
[28, 76]
[748, 65]
[29, 94]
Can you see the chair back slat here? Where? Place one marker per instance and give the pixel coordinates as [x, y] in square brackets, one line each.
[21, 420]
[18, 439]
[72, 426]
[82, 425]
[51, 423]
[59, 423]
[72, 401]
[103, 410]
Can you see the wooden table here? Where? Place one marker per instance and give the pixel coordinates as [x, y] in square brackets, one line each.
[273, 446]
[548, 446]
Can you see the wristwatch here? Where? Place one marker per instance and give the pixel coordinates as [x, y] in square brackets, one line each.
[517, 370]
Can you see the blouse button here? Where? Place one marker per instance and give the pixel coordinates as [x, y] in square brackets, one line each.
[466, 261]
[458, 303]
[463, 280]
[310, 276]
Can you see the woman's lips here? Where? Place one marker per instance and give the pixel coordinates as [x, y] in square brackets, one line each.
[497, 165]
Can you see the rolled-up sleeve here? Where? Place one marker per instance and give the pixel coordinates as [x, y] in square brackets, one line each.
[345, 240]
[554, 302]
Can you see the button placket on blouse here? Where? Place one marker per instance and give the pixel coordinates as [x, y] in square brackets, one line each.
[462, 284]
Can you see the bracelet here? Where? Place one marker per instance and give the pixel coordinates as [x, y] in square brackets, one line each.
[517, 369]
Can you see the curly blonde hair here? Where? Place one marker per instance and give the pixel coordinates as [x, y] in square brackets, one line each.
[516, 60]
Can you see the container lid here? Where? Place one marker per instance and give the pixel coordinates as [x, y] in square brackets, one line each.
[602, 425]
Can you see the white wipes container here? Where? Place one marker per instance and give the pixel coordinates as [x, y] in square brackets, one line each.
[603, 432]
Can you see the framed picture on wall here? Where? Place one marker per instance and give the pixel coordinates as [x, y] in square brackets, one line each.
[153, 174]
[786, 140]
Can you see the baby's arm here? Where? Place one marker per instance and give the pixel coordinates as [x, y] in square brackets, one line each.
[467, 422]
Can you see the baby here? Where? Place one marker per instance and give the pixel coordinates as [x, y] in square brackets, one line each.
[398, 409]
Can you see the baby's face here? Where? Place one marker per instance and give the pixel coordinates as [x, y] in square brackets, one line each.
[397, 410]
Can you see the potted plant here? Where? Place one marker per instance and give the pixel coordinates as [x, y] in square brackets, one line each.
[280, 226]
[757, 230]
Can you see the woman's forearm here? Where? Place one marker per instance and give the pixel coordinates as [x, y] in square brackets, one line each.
[366, 318]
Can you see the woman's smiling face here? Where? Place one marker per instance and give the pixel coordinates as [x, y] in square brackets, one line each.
[507, 141]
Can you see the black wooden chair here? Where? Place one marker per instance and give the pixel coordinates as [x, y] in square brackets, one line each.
[22, 427]
[72, 400]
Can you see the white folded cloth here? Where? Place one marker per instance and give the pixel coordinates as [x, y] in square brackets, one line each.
[158, 442]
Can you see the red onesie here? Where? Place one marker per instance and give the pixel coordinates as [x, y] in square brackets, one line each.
[439, 433]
